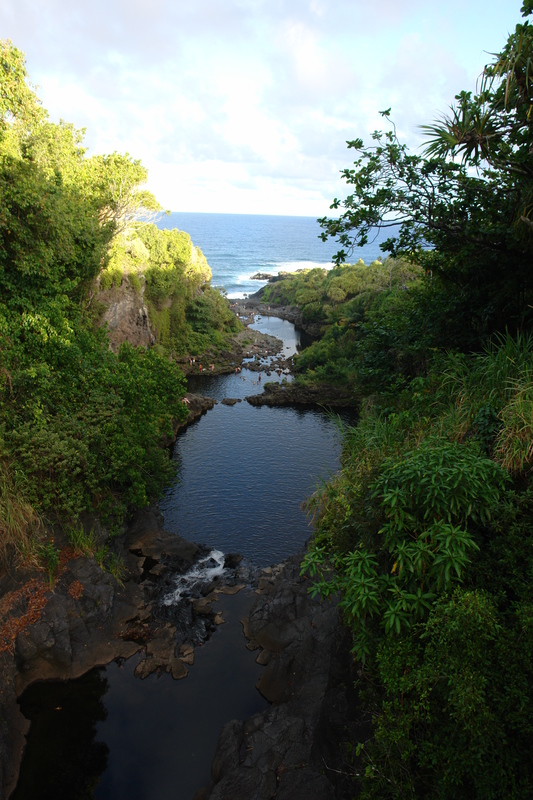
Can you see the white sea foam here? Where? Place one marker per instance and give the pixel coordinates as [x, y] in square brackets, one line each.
[293, 266]
[249, 286]
[201, 573]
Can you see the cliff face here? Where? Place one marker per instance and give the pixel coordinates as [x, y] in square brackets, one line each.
[126, 316]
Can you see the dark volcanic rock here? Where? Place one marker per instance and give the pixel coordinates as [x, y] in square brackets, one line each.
[273, 754]
[88, 619]
[289, 394]
[197, 405]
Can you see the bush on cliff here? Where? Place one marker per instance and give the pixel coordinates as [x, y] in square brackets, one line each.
[80, 428]
[188, 315]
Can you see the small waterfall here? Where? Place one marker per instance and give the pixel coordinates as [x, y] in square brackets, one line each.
[200, 574]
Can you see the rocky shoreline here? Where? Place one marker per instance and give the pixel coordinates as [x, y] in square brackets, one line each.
[295, 394]
[246, 308]
[89, 619]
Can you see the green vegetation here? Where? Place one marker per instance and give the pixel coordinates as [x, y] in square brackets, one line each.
[426, 532]
[81, 427]
[360, 309]
[188, 315]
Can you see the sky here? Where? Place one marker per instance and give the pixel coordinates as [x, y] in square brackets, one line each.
[245, 106]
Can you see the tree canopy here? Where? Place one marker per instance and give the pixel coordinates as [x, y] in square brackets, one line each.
[80, 427]
[463, 210]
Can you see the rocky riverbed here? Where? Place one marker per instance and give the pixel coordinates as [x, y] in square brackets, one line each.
[88, 618]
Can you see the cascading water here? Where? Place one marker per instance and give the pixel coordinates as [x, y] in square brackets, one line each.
[201, 574]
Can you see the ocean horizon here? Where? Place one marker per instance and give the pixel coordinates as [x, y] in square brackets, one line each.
[237, 246]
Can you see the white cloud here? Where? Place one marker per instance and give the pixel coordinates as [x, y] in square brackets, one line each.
[245, 105]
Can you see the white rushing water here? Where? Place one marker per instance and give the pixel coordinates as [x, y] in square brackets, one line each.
[203, 572]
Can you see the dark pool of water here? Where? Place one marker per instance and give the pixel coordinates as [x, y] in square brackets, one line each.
[111, 736]
[244, 472]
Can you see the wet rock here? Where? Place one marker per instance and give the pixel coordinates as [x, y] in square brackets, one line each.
[159, 544]
[230, 401]
[232, 560]
[187, 654]
[289, 394]
[178, 669]
[197, 405]
[88, 620]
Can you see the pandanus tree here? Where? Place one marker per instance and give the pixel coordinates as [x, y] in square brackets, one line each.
[463, 209]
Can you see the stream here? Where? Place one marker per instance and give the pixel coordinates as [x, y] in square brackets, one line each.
[242, 476]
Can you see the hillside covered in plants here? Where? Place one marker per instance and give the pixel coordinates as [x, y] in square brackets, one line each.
[81, 426]
[173, 278]
[426, 532]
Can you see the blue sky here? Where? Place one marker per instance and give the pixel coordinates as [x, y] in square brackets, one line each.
[245, 106]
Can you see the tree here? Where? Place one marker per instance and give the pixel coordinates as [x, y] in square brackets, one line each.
[17, 98]
[464, 209]
[115, 183]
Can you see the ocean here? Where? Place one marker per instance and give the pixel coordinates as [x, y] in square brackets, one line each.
[239, 245]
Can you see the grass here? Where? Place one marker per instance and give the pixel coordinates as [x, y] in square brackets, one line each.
[18, 518]
[86, 544]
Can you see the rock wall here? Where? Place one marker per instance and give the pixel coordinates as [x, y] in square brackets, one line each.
[290, 751]
[126, 316]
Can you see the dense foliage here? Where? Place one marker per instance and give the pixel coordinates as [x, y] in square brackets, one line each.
[188, 315]
[426, 531]
[81, 428]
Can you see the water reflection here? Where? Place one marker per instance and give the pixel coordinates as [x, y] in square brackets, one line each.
[63, 760]
[243, 474]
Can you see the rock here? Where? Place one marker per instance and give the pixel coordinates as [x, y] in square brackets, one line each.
[126, 316]
[157, 544]
[88, 620]
[289, 394]
[230, 589]
[230, 401]
[264, 657]
[202, 606]
[162, 646]
[187, 654]
[145, 668]
[178, 669]
[232, 560]
[273, 754]
[197, 405]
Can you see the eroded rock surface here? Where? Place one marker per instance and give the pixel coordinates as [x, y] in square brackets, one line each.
[88, 619]
[126, 316]
[282, 751]
[290, 394]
